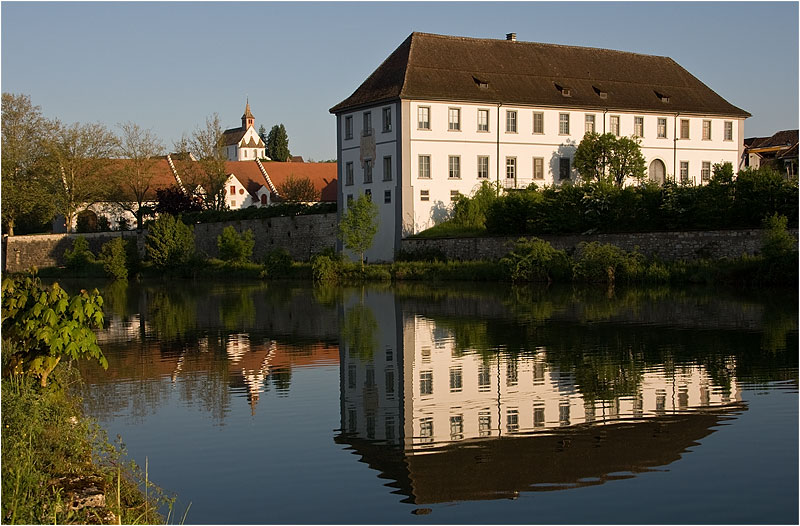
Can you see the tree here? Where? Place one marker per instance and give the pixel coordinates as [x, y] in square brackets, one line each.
[298, 189]
[262, 132]
[207, 170]
[592, 156]
[169, 242]
[80, 156]
[174, 201]
[358, 226]
[234, 246]
[27, 186]
[626, 160]
[134, 176]
[609, 158]
[278, 144]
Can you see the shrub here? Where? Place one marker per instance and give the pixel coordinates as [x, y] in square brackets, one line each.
[41, 325]
[777, 242]
[114, 258]
[278, 262]
[234, 246]
[325, 268]
[80, 255]
[169, 242]
[598, 262]
[536, 260]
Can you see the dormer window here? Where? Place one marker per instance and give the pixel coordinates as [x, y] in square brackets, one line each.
[663, 97]
[602, 93]
[566, 91]
[482, 83]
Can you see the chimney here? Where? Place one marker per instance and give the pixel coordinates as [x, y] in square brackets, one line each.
[511, 37]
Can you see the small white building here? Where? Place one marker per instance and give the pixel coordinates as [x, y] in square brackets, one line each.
[244, 143]
[442, 114]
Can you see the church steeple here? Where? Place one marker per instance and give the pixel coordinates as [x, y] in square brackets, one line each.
[248, 119]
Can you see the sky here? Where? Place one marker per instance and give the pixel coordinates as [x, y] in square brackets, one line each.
[167, 66]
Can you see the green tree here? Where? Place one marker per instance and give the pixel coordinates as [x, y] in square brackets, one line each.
[358, 226]
[80, 156]
[298, 189]
[592, 156]
[626, 161]
[114, 257]
[234, 246]
[278, 144]
[134, 175]
[203, 168]
[27, 186]
[262, 132]
[41, 325]
[169, 242]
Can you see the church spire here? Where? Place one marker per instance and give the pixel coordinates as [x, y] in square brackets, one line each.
[248, 119]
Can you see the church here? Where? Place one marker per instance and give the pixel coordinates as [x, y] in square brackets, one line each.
[244, 143]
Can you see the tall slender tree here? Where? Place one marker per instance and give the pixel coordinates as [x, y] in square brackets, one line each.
[134, 175]
[207, 168]
[278, 144]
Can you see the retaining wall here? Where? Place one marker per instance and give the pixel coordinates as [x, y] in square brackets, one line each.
[667, 246]
[301, 236]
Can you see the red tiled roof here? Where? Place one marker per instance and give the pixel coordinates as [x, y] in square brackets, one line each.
[162, 177]
[323, 175]
[248, 174]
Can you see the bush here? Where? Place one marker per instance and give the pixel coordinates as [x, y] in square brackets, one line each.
[278, 262]
[80, 255]
[536, 260]
[325, 268]
[114, 257]
[778, 242]
[599, 262]
[234, 246]
[169, 243]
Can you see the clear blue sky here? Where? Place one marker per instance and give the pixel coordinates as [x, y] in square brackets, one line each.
[167, 66]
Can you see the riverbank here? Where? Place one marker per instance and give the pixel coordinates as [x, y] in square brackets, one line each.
[59, 467]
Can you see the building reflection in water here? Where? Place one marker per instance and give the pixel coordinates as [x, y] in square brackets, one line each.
[451, 424]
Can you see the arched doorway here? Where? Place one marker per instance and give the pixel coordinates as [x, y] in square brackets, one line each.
[86, 221]
[657, 171]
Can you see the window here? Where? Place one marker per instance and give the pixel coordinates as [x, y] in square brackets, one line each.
[728, 130]
[484, 378]
[454, 167]
[387, 196]
[426, 427]
[233, 203]
[454, 195]
[662, 128]
[684, 171]
[367, 171]
[389, 427]
[455, 379]
[349, 200]
[423, 118]
[483, 120]
[706, 130]
[426, 382]
[511, 121]
[369, 377]
[538, 122]
[368, 194]
[705, 172]
[614, 125]
[512, 373]
[351, 376]
[483, 167]
[563, 413]
[684, 128]
[424, 166]
[538, 168]
[387, 119]
[538, 414]
[590, 123]
[348, 127]
[387, 168]
[454, 119]
[638, 126]
[389, 377]
[348, 174]
[456, 427]
[233, 189]
[424, 195]
[512, 420]
[485, 423]
[563, 168]
[511, 167]
[367, 130]
[263, 199]
[245, 153]
[563, 123]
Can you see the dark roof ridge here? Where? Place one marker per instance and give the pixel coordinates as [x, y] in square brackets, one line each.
[526, 42]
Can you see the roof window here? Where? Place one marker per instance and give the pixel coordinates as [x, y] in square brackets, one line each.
[566, 91]
[482, 83]
[601, 92]
[663, 97]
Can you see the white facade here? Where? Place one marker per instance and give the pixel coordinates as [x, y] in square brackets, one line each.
[237, 196]
[247, 149]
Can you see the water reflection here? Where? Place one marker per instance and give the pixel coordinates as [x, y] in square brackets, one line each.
[456, 396]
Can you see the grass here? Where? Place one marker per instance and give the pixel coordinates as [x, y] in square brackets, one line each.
[49, 446]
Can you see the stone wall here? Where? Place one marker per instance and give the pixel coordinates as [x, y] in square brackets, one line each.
[302, 236]
[667, 246]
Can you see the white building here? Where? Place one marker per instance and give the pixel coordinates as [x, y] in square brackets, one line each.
[244, 143]
[443, 114]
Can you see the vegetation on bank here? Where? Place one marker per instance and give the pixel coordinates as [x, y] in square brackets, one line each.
[58, 466]
[727, 201]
